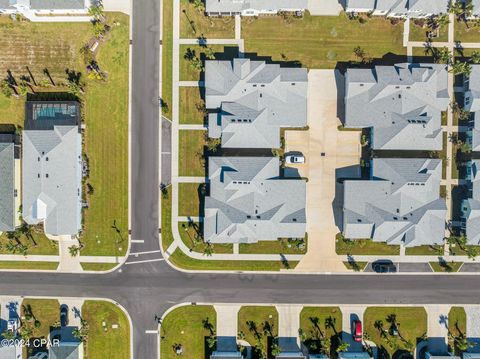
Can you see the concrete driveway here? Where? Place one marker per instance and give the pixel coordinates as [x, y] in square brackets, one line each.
[329, 154]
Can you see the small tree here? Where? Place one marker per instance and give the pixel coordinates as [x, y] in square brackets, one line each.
[343, 347]
[9, 334]
[82, 332]
[208, 250]
[198, 5]
[209, 53]
[6, 88]
[96, 11]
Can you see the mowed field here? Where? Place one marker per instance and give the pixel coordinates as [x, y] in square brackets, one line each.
[28, 49]
[321, 41]
[39, 46]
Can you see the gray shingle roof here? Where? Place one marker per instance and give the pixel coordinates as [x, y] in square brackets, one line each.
[402, 104]
[52, 155]
[11, 352]
[401, 7]
[57, 4]
[249, 202]
[226, 355]
[473, 205]
[400, 203]
[7, 4]
[7, 184]
[69, 344]
[472, 104]
[215, 6]
[253, 100]
[476, 7]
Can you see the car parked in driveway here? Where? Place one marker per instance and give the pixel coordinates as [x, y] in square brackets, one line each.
[384, 266]
[294, 158]
[63, 315]
[357, 331]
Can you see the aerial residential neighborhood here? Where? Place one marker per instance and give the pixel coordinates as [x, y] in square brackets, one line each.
[248, 179]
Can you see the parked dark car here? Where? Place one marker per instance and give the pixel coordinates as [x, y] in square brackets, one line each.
[384, 266]
[63, 315]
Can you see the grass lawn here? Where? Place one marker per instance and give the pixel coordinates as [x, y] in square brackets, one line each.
[457, 321]
[181, 260]
[190, 199]
[319, 323]
[321, 41]
[190, 105]
[411, 323]
[11, 110]
[98, 266]
[424, 251]
[466, 33]
[35, 49]
[355, 266]
[363, 247]
[188, 233]
[258, 324]
[443, 191]
[105, 342]
[184, 326]
[167, 56]
[191, 150]
[194, 23]
[46, 311]
[421, 54]
[167, 237]
[106, 144]
[43, 245]
[28, 265]
[188, 72]
[39, 46]
[419, 33]
[446, 267]
[281, 246]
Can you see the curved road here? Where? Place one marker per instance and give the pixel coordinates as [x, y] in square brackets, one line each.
[147, 289]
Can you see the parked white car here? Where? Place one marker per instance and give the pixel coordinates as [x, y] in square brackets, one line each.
[295, 158]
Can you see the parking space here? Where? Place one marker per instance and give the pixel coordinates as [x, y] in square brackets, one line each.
[329, 154]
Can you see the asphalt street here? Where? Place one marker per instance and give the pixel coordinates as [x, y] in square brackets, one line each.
[147, 289]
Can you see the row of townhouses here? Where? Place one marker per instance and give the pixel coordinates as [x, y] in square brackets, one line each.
[250, 101]
[401, 106]
[50, 177]
[391, 8]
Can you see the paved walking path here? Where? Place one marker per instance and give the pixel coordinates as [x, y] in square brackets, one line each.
[238, 27]
[191, 83]
[192, 127]
[188, 179]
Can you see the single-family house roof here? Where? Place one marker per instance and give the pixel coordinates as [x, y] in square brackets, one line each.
[52, 173]
[476, 7]
[249, 201]
[11, 352]
[7, 183]
[236, 6]
[400, 203]
[7, 4]
[252, 100]
[402, 104]
[226, 355]
[68, 346]
[472, 104]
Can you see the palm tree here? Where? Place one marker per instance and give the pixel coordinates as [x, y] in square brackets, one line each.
[96, 11]
[461, 68]
[475, 58]
[343, 347]
[9, 335]
[198, 5]
[209, 53]
[74, 250]
[443, 20]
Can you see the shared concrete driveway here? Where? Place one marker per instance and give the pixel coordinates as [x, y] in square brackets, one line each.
[329, 154]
